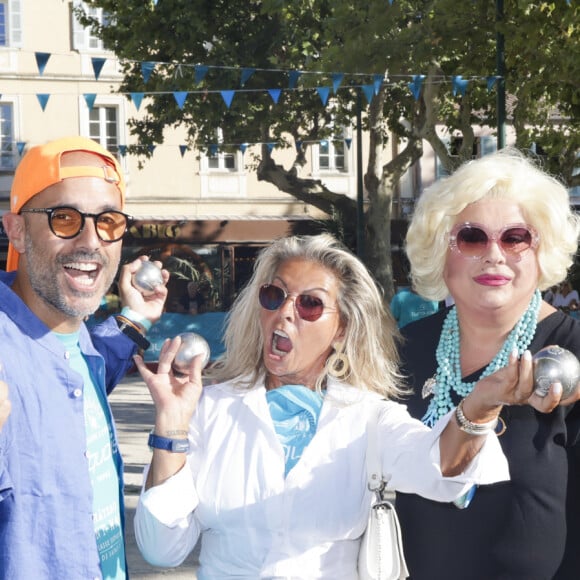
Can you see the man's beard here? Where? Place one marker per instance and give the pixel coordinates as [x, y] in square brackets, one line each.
[44, 280]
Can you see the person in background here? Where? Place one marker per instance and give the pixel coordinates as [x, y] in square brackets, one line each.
[268, 465]
[495, 234]
[566, 298]
[550, 294]
[407, 306]
[61, 502]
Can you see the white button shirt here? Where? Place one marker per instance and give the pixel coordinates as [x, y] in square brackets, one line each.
[257, 524]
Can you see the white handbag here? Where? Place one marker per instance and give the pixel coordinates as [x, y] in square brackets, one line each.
[381, 554]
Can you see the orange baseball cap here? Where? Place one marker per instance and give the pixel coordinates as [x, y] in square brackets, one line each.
[40, 168]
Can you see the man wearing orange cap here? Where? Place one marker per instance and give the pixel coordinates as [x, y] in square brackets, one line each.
[61, 504]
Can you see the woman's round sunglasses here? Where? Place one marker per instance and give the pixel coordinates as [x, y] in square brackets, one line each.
[472, 240]
[68, 222]
[309, 307]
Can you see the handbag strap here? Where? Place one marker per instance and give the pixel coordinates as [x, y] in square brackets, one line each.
[373, 460]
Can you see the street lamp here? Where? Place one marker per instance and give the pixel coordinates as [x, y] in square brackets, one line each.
[500, 71]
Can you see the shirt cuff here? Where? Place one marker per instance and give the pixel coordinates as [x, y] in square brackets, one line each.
[490, 465]
[172, 501]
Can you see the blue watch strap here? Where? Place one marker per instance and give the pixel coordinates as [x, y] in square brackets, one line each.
[173, 445]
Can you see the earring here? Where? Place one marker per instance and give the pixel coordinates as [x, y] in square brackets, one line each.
[337, 364]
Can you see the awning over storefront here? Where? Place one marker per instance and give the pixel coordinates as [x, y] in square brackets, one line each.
[207, 231]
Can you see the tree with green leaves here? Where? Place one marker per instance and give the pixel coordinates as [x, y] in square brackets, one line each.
[393, 39]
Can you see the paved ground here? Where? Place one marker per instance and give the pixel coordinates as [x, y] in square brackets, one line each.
[133, 411]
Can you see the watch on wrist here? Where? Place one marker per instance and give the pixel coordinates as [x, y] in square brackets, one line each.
[173, 445]
[129, 329]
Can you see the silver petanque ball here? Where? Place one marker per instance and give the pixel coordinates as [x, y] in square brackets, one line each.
[555, 364]
[192, 344]
[147, 278]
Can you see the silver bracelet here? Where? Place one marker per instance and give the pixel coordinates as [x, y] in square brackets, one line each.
[471, 428]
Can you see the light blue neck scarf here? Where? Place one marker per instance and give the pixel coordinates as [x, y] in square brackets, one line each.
[295, 410]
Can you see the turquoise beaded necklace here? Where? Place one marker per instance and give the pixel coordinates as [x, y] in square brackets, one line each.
[448, 375]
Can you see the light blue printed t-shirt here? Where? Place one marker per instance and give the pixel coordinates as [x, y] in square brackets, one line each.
[295, 410]
[102, 457]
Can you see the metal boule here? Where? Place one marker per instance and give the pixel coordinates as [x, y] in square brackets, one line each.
[147, 278]
[555, 364]
[192, 344]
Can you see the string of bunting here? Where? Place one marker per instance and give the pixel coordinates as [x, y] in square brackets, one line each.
[155, 2]
[459, 83]
[415, 83]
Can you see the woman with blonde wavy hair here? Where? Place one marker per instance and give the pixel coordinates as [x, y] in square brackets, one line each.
[494, 235]
[267, 464]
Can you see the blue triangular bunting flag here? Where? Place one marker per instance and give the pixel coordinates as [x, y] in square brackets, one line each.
[298, 145]
[20, 145]
[137, 98]
[415, 85]
[348, 142]
[490, 83]
[146, 70]
[180, 97]
[182, 149]
[275, 94]
[246, 74]
[213, 149]
[377, 82]
[337, 81]
[270, 147]
[98, 66]
[459, 85]
[200, 72]
[293, 77]
[43, 99]
[41, 60]
[151, 149]
[228, 96]
[90, 100]
[123, 150]
[323, 93]
[243, 147]
[369, 92]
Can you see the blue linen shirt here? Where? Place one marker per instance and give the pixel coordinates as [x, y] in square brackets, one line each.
[46, 527]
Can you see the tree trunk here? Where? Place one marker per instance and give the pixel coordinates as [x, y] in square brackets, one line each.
[380, 182]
